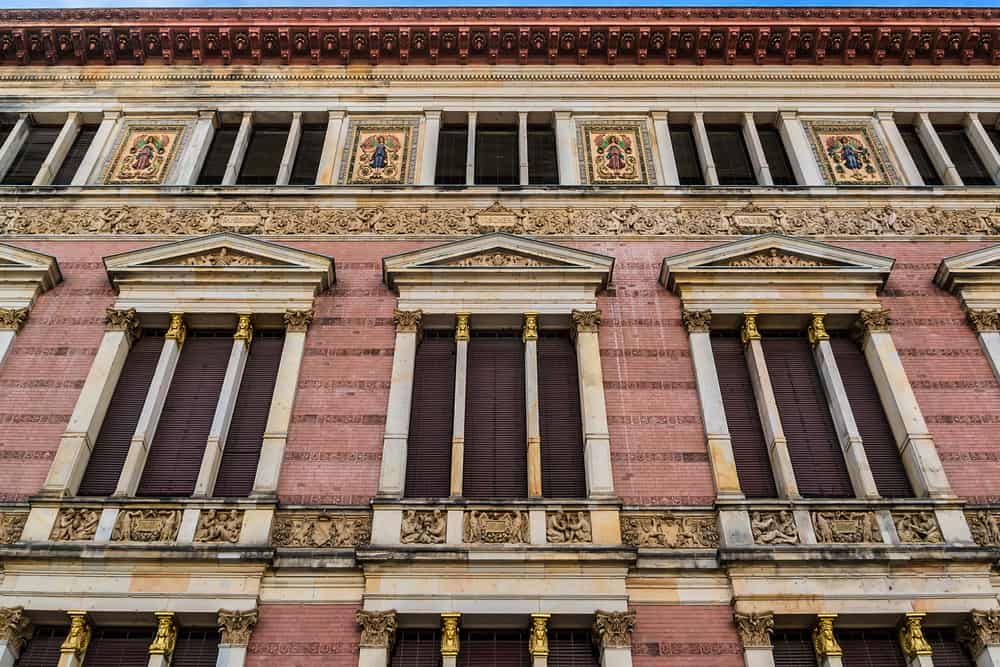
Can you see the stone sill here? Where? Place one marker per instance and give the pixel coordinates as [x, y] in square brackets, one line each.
[499, 504]
[511, 553]
[156, 503]
[856, 552]
[135, 551]
[855, 504]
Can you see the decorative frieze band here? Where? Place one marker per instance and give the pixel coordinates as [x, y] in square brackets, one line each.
[11, 526]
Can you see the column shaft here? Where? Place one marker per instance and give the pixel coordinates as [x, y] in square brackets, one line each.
[936, 151]
[327, 172]
[616, 657]
[767, 406]
[392, 477]
[243, 136]
[990, 342]
[890, 133]
[13, 143]
[458, 422]
[470, 151]
[7, 337]
[566, 159]
[989, 656]
[758, 657]
[522, 147]
[704, 149]
[757, 157]
[60, 147]
[799, 149]
[373, 656]
[532, 417]
[597, 440]
[194, 157]
[291, 149]
[231, 656]
[981, 141]
[102, 138]
[665, 150]
[432, 134]
[223, 419]
[8, 654]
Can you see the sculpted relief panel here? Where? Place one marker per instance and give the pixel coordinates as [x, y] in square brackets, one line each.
[671, 531]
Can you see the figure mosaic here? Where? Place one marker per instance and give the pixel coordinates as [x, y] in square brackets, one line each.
[144, 155]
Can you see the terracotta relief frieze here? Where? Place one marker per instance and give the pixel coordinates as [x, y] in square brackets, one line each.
[917, 528]
[146, 525]
[774, 527]
[565, 221]
[75, 524]
[985, 527]
[424, 527]
[504, 527]
[219, 526]
[568, 527]
[320, 530]
[671, 531]
[11, 526]
[837, 527]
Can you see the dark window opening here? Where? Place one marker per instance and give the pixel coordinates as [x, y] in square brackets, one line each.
[196, 647]
[42, 650]
[571, 648]
[543, 167]
[74, 157]
[563, 468]
[963, 155]
[118, 647]
[416, 648]
[307, 157]
[428, 452]
[948, 651]
[214, 168]
[871, 648]
[923, 162]
[453, 142]
[793, 648]
[263, 156]
[730, 154]
[777, 157]
[496, 155]
[489, 648]
[5, 129]
[686, 155]
[29, 159]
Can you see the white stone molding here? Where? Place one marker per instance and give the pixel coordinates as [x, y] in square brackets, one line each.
[983, 145]
[60, 147]
[462, 325]
[329, 161]
[12, 144]
[235, 163]
[885, 124]
[97, 148]
[664, 149]
[799, 149]
[392, 475]
[430, 136]
[193, 158]
[975, 278]
[533, 421]
[566, 148]
[596, 437]
[704, 148]
[756, 150]
[470, 150]
[936, 150]
[291, 149]
[522, 148]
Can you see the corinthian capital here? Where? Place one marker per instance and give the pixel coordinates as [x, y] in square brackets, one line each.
[15, 628]
[378, 628]
[235, 627]
[755, 629]
[697, 320]
[407, 321]
[984, 320]
[586, 321]
[613, 629]
[12, 319]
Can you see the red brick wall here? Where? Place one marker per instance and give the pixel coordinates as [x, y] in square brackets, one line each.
[298, 635]
[685, 636]
[657, 437]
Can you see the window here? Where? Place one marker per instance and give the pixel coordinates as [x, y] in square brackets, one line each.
[5, 129]
[196, 647]
[871, 648]
[948, 650]
[496, 155]
[919, 155]
[214, 168]
[428, 469]
[32, 154]
[263, 157]
[542, 164]
[118, 647]
[993, 132]
[563, 468]
[964, 156]
[416, 648]
[776, 155]
[42, 650]
[686, 155]
[729, 151]
[75, 155]
[308, 155]
[793, 648]
[499, 648]
[452, 153]
[571, 648]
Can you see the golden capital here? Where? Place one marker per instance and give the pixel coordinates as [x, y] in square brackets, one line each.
[984, 320]
[78, 637]
[817, 329]
[538, 640]
[177, 330]
[15, 626]
[462, 326]
[697, 320]
[911, 636]
[12, 319]
[748, 331]
[166, 634]
[244, 328]
[586, 321]
[449, 634]
[298, 321]
[824, 641]
[407, 320]
[530, 329]
[122, 320]
[874, 320]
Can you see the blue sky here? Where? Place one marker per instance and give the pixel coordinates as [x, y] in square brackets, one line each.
[51, 4]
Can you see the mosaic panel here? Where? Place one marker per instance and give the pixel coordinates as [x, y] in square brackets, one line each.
[850, 154]
[615, 153]
[380, 152]
[144, 154]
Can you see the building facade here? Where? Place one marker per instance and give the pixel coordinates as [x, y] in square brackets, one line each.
[500, 337]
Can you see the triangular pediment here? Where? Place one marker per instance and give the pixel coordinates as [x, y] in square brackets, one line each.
[973, 275]
[24, 274]
[221, 251]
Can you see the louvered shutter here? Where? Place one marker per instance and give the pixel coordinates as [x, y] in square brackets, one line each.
[729, 152]
[452, 147]
[963, 155]
[118, 647]
[876, 434]
[488, 648]
[571, 648]
[238, 467]
[686, 155]
[75, 155]
[428, 451]
[776, 155]
[181, 435]
[563, 472]
[43, 648]
[915, 147]
[542, 162]
[32, 154]
[496, 155]
[113, 440]
[214, 167]
[496, 462]
[817, 460]
[947, 650]
[871, 648]
[416, 648]
[196, 647]
[793, 648]
[308, 155]
[753, 465]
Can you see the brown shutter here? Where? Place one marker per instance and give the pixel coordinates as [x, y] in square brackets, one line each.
[118, 647]
[196, 647]
[820, 470]
[753, 465]
[571, 648]
[238, 467]
[181, 435]
[948, 651]
[488, 648]
[793, 648]
[32, 154]
[428, 451]
[75, 155]
[496, 462]
[871, 648]
[416, 648]
[43, 648]
[111, 446]
[563, 473]
[876, 434]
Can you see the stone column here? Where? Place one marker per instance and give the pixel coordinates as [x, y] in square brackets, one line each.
[470, 151]
[279, 414]
[15, 630]
[11, 321]
[756, 150]
[432, 134]
[458, 420]
[102, 139]
[981, 141]
[597, 440]
[755, 632]
[840, 409]
[936, 151]
[704, 149]
[987, 326]
[981, 633]
[291, 149]
[911, 639]
[522, 148]
[60, 147]
[328, 161]
[767, 406]
[74, 649]
[162, 648]
[566, 149]
[613, 633]
[235, 628]
[243, 136]
[70, 462]
[828, 652]
[799, 149]
[665, 149]
[138, 449]
[538, 640]
[13, 143]
[193, 158]
[223, 417]
[885, 122]
[529, 334]
[449, 639]
[916, 445]
[392, 477]
[378, 633]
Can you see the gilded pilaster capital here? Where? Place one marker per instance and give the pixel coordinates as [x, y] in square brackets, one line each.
[449, 634]
[12, 319]
[15, 626]
[824, 641]
[697, 320]
[817, 329]
[748, 331]
[407, 321]
[178, 329]
[980, 630]
[78, 637]
[122, 320]
[298, 321]
[586, 321]
[872, 321]
[235, 627]
[166, 634]
[911, 636]
[529, 331]
[982, 321]
[538, 640]
[613, 629]
[462, 326]
[378, 628]
[755, 630]
[244, 328]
